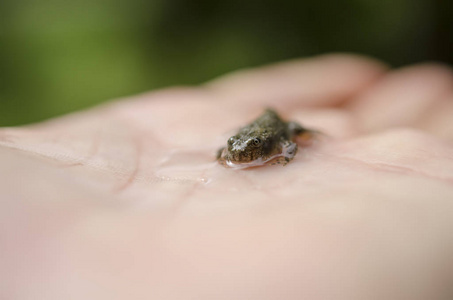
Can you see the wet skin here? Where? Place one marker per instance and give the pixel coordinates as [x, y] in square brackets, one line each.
[266, 139]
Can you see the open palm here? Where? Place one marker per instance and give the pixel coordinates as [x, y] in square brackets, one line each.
[126, 200]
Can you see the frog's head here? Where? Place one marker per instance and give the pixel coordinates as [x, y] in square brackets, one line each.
[244, 149]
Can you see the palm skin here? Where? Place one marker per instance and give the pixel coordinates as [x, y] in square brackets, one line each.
[126, 201]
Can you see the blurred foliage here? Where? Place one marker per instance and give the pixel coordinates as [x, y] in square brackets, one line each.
[58, 56]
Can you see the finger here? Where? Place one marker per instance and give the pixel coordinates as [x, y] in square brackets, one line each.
[402, 97]
[322, 80]
[439, 121]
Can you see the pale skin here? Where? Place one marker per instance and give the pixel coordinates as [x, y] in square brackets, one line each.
[126, 200]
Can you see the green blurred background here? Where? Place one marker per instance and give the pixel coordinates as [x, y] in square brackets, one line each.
[59, 56]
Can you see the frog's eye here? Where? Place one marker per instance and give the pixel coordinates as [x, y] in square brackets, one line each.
[231, 141]
[257, 142]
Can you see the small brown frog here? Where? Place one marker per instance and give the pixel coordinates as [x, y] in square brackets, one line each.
[268, 139]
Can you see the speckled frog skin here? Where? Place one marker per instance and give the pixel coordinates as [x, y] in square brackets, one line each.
[267, 139]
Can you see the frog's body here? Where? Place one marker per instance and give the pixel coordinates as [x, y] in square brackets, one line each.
[267, 139]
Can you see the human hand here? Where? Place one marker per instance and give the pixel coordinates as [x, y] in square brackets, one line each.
[126, 201]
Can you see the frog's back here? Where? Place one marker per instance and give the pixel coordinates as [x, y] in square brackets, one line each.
[270, 121]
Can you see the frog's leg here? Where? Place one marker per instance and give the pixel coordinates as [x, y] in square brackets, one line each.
[289, 150]
[219, 153]
[301, 133]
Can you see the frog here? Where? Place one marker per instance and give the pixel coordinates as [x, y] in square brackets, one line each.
[267, 140]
